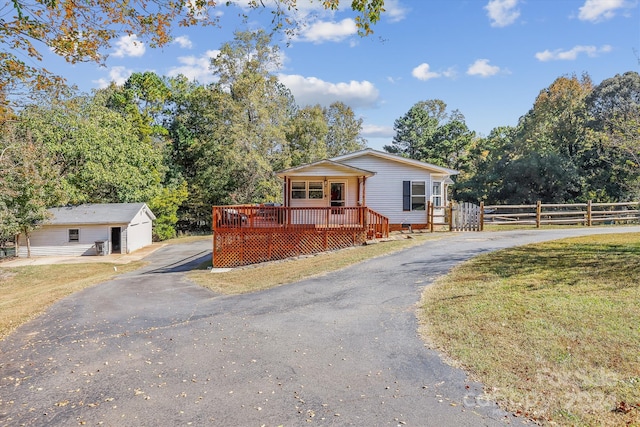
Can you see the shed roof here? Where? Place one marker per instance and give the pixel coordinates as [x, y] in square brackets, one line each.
[98, 213]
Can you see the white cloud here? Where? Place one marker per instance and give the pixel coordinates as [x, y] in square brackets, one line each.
[117, 75]
[311, 91]
[482, 68]
[394, 11]
[375, 131]
[502, 12]
[571, 54]
[128, 46]
[599, 10]
[423, 72]
[321, 31]
[195, 67]
[183, 41]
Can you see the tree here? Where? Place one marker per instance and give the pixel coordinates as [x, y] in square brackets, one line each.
[254, 116]
[551, 145]
[165, 207]
[428, 133]
[98, 151]
[343, 130]
[83, 31]
[482, 178]
[306, 136]
[30, 185]
[614, 122]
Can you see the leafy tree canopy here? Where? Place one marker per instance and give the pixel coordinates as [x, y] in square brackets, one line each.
[81, 31]
[430, 134]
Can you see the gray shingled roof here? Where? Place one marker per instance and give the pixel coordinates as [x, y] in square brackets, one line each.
[98, 213]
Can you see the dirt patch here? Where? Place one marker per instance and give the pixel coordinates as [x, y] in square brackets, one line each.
[6, 275]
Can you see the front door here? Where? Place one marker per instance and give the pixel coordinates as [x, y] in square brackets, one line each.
[337, 200]
[338, 194]
[116, 232]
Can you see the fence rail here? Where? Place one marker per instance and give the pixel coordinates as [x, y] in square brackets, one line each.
[539, 214]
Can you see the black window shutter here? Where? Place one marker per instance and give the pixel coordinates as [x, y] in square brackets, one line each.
[406, 195]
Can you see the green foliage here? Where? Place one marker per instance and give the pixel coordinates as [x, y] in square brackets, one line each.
[343, 130]
[429, 134]
[306, 136]
[577, 143]
[98, 151]
[165, 206]
[29, 186]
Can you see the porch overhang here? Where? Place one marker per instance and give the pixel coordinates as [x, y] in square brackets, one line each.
[324, 168]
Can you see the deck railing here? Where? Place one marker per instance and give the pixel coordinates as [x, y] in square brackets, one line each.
[248, 234]
[280, 217]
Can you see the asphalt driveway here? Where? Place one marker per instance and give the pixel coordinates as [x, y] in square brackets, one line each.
[150, 348]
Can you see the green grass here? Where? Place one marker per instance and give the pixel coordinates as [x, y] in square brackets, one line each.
[552, 329]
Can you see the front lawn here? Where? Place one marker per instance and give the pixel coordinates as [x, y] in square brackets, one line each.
[551, 329]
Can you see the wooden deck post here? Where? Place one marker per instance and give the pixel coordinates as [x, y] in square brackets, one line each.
[431, 207]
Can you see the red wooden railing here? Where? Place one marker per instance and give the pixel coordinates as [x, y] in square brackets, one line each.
[280, 217]
[248, 234]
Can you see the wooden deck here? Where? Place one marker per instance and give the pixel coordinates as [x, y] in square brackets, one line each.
[248, 234]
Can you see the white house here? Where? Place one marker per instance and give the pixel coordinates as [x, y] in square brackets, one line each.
[70, 231]
[394, 186]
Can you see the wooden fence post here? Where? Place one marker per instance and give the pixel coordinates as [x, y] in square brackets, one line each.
[538, 212]
[450, 210]
[589, 213]
[481, 225]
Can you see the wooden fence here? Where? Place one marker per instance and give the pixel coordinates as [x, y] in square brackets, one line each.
[587, 214]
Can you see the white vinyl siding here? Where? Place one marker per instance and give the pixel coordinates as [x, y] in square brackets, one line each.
[54, 240]
[137, 234]
[384, 190]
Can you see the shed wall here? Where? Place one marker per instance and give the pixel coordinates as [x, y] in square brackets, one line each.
[138, 234]
[54, 240]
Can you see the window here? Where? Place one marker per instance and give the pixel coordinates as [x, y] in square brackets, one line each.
[437, 194]
[418, 196]
[414, 196]
[307, 190]
[74, 235]
[298, 190]
[315, 190]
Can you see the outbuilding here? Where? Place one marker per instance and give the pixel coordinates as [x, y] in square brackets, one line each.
[92, 229]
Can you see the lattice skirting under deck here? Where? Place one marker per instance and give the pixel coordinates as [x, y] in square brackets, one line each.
[237, 247]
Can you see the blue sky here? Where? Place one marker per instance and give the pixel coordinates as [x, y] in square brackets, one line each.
[487, 58]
